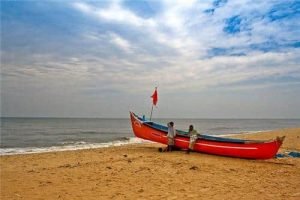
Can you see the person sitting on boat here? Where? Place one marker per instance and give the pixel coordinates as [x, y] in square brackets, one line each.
[193, 137]
[171, 135]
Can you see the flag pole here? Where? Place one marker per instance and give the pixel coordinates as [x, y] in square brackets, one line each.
[151, 112]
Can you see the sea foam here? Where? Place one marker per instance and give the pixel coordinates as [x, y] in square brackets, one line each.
[68, 146]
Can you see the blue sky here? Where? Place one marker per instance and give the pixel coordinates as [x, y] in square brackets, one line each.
[209, 59]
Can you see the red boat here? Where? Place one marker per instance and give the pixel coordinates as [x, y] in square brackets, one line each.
[250, 149]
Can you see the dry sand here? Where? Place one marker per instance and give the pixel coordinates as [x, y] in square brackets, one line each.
[141, 172]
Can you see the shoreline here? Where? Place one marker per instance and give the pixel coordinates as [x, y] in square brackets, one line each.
[82, 145]
[62, 148]
[139, 171]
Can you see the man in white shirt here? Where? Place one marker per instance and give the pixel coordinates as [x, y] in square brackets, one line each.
[171, 135]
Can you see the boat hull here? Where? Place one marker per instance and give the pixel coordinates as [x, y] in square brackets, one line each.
[248, 150]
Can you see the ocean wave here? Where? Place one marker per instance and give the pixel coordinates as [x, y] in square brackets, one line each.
[73, 143]
[68, 146]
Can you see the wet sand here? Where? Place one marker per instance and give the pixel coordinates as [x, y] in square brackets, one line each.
[141, 172]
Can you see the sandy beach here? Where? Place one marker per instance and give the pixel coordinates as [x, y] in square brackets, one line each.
[141, 172]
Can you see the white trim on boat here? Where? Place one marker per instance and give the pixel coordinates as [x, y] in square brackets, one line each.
[219, 146]
[211, 145]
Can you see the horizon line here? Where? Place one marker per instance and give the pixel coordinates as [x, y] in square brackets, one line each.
[242, 118]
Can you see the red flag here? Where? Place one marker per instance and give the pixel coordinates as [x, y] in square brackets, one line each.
[154, 97]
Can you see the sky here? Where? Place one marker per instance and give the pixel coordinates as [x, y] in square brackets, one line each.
[209, 59]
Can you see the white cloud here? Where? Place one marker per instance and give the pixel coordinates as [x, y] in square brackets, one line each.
[114, 13]
[83, 7]
[120, 42]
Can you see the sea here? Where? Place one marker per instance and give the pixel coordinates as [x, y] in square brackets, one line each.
[35, 135]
